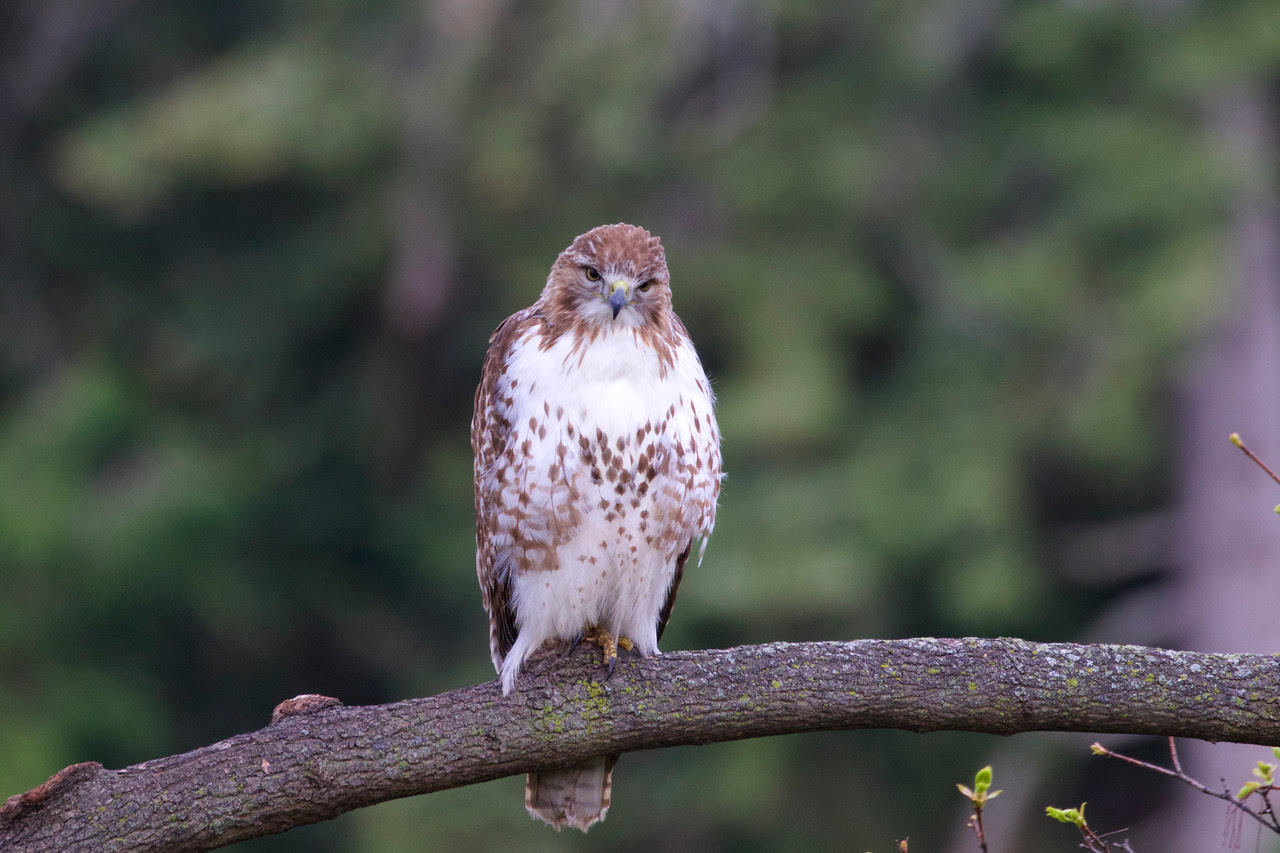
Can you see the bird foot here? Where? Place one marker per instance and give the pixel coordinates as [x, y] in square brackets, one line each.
[608, 642]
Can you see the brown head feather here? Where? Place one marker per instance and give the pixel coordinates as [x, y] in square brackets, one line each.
[571, 302]
[625, 249]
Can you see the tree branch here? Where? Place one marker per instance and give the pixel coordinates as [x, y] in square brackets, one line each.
[318, 760]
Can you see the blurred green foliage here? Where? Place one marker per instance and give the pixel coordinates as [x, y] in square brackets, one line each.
[941, 260]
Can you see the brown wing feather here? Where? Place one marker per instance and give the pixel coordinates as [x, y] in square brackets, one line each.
[675, 585]
[502, 616]
[490, 435]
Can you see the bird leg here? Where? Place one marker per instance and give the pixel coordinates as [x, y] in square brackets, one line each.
[609, 643]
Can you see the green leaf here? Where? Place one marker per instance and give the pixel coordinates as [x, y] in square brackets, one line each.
[982, 781]
[1249, 788]
[1263, 771]
[1071, 816]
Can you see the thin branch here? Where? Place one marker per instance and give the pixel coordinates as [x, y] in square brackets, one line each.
[1177, 773]
[1095, 841]
[1235, 439]
[318, 761]
[975, 823]
[1173, 754]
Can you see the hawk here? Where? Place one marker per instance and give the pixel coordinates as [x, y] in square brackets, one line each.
[597, 466]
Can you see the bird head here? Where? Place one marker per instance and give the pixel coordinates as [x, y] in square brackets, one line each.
[613, 274]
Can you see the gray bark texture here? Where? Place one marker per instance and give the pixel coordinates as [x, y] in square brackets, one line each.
[318, 759]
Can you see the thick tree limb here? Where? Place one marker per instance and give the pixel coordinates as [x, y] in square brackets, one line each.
[319, 760]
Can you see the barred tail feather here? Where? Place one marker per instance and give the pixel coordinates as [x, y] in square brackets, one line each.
[576, 796]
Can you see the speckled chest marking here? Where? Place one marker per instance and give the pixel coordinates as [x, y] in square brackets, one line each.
[608, 482]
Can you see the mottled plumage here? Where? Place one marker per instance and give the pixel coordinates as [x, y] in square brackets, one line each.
[597, 465]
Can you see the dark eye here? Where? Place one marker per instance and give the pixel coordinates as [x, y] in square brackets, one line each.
[648, 284]
[593, 274]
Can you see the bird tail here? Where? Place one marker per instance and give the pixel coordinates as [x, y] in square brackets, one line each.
[575, 796]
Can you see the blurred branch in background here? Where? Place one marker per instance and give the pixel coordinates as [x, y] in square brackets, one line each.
[316, 761]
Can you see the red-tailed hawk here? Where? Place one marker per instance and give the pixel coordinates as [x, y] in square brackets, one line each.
[597, 466]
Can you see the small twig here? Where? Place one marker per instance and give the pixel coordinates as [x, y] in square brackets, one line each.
[1122, 844]
[975, 823]
[1236, 440]
[1266, 798]
[979, 795]
[1177, 773]
[1095, 841]
[1233, 827]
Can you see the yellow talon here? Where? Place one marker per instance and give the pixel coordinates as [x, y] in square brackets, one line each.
[609, 647]
[609, 644]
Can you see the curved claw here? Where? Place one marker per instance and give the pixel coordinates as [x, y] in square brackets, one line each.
[609, 644]
[609, 648]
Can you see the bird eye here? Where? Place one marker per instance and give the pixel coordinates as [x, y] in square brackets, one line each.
[593, 274]
[648, 284]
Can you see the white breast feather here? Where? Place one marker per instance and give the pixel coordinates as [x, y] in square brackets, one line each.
[607, 573]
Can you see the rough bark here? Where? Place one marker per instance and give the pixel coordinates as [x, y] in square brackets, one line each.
[318, 759]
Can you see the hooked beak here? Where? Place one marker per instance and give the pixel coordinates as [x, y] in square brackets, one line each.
[618, 296]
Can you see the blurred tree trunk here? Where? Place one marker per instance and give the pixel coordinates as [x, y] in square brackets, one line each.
[41, 46]
[1224, 540]
[1229, 541]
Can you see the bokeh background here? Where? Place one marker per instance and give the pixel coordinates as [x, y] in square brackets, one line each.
[982, 286]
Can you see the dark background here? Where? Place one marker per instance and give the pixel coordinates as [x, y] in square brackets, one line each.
[982, 288]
